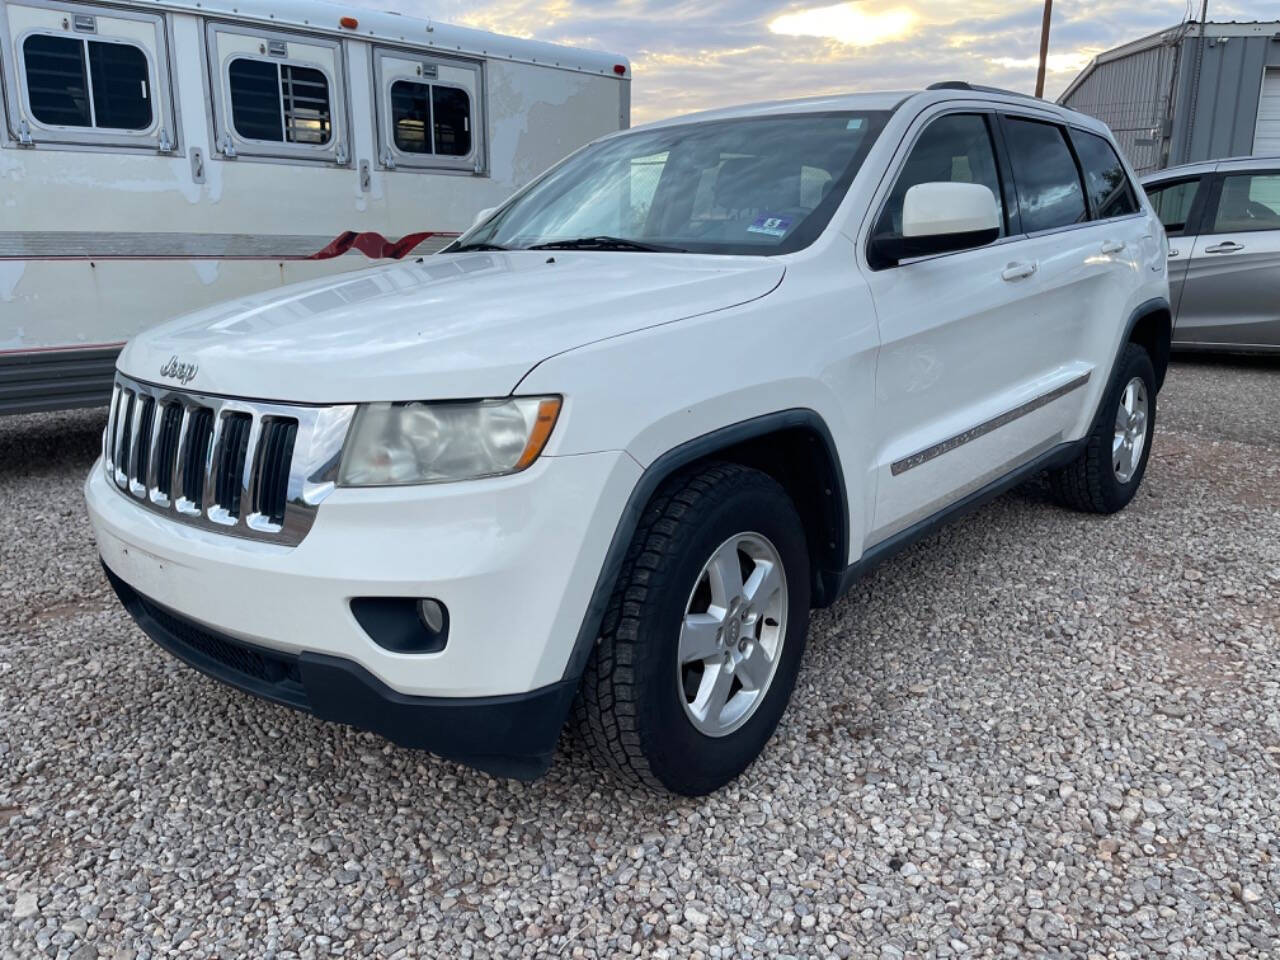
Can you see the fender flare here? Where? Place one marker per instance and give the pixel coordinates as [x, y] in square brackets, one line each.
[667, 464]
[1140, 313]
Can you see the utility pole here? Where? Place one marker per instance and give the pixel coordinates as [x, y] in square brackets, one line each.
[1044, 46]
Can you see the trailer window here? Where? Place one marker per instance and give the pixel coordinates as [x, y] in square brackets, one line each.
[452, 110]
[76, 82]
[411, 116]
[279, 102]
[445, 112]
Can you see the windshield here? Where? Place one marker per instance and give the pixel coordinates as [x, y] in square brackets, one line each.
[756, 185]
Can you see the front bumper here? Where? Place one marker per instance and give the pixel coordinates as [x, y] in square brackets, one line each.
[512, 736]
[514, 559]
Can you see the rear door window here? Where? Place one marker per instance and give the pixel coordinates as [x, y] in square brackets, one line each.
[1045, 175]
[1172, 202]
[1110, 192]
[1248, 202]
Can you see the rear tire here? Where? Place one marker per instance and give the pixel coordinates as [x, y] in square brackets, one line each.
[694, 665]
[1107, 473]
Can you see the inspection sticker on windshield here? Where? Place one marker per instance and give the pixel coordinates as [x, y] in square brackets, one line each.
[771, 226]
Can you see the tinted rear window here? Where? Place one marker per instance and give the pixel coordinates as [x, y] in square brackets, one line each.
[1044, 172]
[1109, 189]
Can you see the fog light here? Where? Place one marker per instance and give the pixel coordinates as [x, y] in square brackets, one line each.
[403, 624]
[432, 615]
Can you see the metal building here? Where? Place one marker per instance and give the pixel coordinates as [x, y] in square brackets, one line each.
[1187, 93]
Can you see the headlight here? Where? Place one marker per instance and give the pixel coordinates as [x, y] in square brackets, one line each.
[397, 443]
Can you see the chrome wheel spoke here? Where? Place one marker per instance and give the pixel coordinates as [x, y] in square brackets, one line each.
[725, 574]
[700, 637]
[762, 587]
[713, 695]
[1122, 418]
[756, 668]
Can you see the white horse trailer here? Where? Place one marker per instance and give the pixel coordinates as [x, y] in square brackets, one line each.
[157, 157]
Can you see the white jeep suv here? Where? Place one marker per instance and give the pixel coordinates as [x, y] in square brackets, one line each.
[599, 459]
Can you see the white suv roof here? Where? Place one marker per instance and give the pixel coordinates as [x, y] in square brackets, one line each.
[887, 100]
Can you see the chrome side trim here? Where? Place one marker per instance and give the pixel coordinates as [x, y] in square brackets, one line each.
[312, 474]
[982, 429]
[938, 505]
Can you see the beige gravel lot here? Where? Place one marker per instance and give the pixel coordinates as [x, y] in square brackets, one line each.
[1036, 733]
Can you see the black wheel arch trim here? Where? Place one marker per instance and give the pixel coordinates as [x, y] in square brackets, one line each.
[1140, 313]
[700, 448]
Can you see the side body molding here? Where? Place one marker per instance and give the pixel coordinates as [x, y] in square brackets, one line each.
[686, 453]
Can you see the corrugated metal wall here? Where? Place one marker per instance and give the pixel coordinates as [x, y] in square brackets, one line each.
[1220, 121]
[1131, 96]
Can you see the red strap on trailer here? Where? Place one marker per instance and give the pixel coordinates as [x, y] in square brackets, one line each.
[374, 245]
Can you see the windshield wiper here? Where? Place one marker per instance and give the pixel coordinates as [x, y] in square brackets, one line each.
[466, 247]
[605, 243]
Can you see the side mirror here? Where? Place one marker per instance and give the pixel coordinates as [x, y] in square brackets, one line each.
[482, 216]
[939, 218]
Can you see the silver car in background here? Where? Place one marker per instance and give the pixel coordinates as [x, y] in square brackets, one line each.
[1223, 222]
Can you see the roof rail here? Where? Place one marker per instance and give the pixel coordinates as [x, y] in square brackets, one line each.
[977, 87]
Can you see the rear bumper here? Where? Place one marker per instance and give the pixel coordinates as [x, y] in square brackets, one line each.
[508, 736]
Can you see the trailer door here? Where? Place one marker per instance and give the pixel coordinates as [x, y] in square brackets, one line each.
[277, 94]
[88, 76]
[430, 111]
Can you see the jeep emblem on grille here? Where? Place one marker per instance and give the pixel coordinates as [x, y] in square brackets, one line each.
[184, 373]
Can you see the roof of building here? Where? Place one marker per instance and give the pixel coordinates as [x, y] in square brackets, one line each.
[321, 16]
[1171, 35]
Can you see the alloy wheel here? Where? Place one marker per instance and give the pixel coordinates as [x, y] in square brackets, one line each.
[1131, 430]
[732, 634]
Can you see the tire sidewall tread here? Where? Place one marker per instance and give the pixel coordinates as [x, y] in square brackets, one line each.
[629, 711]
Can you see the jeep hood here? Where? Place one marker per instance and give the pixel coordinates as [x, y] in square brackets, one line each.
[449, 326]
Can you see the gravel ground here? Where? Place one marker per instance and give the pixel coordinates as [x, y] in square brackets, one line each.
[1037, 733]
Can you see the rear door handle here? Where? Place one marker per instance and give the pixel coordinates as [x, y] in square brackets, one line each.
[1017, 271]
[1226, 246]
[1113, 246]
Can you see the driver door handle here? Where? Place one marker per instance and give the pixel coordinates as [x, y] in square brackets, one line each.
[1017, 271]
[1226, 246]
[1113, 246]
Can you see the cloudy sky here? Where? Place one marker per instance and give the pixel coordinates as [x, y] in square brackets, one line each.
[692, 54]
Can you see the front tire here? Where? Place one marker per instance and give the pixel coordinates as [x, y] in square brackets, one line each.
[1107, 473]
[703, 637]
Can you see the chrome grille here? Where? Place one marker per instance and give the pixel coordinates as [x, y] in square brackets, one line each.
[241, 467]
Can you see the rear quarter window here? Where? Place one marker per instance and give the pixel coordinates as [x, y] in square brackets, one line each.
[1110, 192]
